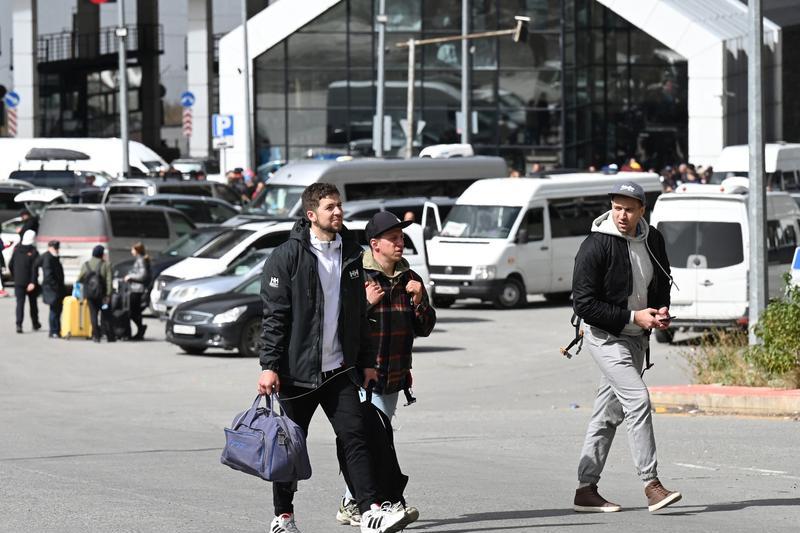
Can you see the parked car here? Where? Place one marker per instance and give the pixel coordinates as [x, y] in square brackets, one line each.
[70, 182]
[177, 251]
[202, 210]
[80, 227]
[187, 165]
[35, 201]
[186, 290]
[150, 187]
[220, 253]
[9, 208]
[231, 321]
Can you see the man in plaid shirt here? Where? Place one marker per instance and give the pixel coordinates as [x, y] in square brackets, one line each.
[398, 310]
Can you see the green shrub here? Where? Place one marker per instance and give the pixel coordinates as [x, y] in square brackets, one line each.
[724, 356]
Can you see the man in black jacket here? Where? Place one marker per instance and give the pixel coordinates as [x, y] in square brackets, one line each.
[314, 337]
[621, 287]
[52, 285]
[23, 271]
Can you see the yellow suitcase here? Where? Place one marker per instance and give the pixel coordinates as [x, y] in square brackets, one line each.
[75, 320]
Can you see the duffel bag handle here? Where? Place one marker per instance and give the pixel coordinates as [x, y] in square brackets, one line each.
[248, 418]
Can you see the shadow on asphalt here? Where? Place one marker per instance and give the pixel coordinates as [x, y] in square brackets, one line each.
[502, 515]
[435, 349]
[539, 304]
[731, 506]
[460, 320]
[233, 354]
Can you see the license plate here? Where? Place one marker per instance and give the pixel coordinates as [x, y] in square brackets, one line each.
[180, 329]
[445, 289]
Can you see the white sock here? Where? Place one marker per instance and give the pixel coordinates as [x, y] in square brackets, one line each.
[583, 485]
[374, 507]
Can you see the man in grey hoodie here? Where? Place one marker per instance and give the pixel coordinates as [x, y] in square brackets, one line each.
[621, 290]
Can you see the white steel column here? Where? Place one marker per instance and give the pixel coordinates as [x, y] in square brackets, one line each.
[26, 80]
[200, 60]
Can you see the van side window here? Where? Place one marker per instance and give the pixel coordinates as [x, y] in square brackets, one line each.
[139, 224]
[180, 223]
[781, 241]
[573, 217]
[271, 240]
[534, 223]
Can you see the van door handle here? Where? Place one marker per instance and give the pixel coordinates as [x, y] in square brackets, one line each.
[707, 283]
[544, 248]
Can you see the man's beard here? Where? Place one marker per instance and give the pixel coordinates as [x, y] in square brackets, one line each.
[329, 227]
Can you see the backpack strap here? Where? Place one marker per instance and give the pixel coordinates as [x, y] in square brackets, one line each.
[576, 323]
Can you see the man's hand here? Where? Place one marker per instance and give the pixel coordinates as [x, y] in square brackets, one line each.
[370, 374]
[30, 287]
[374, 291]
[414, 288]
[663, 313]
[269, 382]
[648, 319]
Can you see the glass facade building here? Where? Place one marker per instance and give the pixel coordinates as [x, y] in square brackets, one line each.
[585, 87]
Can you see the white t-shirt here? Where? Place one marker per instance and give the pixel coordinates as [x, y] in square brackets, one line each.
[329, 269]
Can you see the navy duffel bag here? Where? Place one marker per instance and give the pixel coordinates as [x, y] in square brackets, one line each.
[264, 444]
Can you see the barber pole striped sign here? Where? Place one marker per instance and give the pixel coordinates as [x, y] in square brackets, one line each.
[187, 121]
[11, 121]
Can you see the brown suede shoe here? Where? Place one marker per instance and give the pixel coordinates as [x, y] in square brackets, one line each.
[588, 500]
[658, 497]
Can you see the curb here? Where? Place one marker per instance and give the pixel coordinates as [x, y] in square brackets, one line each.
[720, 399]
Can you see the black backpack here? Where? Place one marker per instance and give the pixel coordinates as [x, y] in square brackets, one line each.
[94, 288]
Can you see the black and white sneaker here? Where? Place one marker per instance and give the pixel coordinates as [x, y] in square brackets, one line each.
[283, 524]
[390, 518]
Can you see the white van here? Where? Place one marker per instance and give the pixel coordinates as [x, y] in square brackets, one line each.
[509, 237]
[707, 238]
[781, 165]
[366, 179]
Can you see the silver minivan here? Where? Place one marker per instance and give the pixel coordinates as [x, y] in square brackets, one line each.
[81, 227]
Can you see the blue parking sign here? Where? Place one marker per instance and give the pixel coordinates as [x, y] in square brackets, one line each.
[222, 125]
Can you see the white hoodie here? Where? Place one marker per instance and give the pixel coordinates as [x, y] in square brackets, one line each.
[641, 264]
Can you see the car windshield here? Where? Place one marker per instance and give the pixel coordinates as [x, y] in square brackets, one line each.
[189, 244]
[276, 200]
[187, 166]
[223, 244]
[480, 221]
[250, 287]
[689, 242]
[247, 263]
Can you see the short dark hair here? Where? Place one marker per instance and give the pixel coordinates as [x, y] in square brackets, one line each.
[316, 192]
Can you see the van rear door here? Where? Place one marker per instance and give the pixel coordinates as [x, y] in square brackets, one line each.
[708, 265]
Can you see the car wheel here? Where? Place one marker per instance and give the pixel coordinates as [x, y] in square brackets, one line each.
[558, 297]
[665, 336]
[511, 294]
[443, 301]
[250, 338]
[192, 350]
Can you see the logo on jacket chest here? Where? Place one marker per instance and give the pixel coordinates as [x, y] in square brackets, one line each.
[353, 273]
[274, 282]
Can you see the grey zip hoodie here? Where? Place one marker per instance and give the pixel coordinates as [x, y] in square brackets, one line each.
[641, 265]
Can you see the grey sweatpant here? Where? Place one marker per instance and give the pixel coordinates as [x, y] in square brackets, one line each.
[622, 395]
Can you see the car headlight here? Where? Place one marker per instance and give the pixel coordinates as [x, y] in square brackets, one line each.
[231, 315]
[485, 272]
[185, 294]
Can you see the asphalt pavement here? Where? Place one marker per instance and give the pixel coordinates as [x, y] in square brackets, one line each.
[126, 437]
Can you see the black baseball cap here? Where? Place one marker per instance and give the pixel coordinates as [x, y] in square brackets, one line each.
[54, 244]
[382, 222]
[629, 189]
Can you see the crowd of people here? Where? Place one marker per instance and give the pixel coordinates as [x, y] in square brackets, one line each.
[34, 275]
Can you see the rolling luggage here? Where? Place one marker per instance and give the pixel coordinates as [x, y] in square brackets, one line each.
[391, 482]
[75, 321]
[120, 312]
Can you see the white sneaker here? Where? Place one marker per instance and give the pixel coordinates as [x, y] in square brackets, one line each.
[348, 513]
[283, 524]
[390, 518]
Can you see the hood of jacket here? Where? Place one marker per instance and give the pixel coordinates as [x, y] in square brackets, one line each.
[605, 224]
[371, 264]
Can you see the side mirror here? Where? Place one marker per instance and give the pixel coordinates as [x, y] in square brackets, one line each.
[522, 236]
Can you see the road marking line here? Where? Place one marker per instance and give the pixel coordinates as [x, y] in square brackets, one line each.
[698, 467]
[763, 471]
